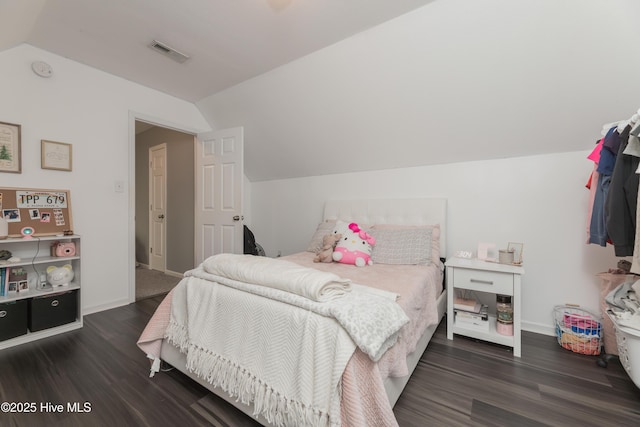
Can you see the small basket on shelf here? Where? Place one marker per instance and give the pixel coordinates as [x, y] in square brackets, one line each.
[578, 330]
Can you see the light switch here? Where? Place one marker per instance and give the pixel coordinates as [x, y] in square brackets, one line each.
[119, 186]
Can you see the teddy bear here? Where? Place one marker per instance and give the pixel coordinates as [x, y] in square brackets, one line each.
[328, 243]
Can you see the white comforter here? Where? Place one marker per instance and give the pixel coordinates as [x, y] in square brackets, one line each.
[286, 360]
[370, 316]
[278, 274]
[286, 352]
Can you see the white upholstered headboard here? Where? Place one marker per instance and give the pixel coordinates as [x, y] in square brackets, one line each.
[427, 211]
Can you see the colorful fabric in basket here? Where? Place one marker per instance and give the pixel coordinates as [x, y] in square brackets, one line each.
[581, 324]
[582, 345]
[578, 330]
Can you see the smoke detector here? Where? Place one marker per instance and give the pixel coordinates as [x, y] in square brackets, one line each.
[168, 51]
[42, 69]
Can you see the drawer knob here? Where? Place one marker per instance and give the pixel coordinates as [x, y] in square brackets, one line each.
[54, 303]
[486, 282]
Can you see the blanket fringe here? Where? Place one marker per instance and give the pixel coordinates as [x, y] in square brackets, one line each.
[247, 388]
[177, 335]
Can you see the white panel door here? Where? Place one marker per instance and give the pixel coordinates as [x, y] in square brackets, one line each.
[157, 206]
[219, 175]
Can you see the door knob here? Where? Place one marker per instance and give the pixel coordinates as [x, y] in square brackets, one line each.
[161, 216]
[238, 217]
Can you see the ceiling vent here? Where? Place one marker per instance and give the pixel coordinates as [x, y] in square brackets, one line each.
[168, 51]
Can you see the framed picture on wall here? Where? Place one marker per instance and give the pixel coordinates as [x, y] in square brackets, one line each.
[56, 155]
[10, 155]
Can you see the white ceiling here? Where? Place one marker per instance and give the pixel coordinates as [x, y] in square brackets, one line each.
[228, 41]
[369, 84]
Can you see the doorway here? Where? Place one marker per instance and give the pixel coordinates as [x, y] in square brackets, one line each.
[151, 276]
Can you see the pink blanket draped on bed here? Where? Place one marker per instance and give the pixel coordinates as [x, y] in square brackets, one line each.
[418, 286]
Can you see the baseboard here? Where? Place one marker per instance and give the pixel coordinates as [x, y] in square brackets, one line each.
[167, 272]
[173, 273]
[539, 328]
[103, 307]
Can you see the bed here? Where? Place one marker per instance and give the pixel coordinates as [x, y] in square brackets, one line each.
[370, 383]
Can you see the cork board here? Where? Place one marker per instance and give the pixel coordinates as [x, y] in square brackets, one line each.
[47, 211]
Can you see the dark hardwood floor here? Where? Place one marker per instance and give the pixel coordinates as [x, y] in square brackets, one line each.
[457, 383]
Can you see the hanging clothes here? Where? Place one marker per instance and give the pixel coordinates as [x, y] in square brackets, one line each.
[622, 196]
[592, 185]
[633, 148]
[606, 160]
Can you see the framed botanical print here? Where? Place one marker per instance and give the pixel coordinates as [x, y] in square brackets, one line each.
[10, 155]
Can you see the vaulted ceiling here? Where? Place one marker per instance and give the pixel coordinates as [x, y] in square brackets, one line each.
[226, 41]
[332, 86]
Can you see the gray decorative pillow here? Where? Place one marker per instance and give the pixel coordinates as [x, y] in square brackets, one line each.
[323, 229]
[402, 246]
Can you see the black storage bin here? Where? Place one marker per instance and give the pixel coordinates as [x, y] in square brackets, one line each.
[13, 319]
[52, 310]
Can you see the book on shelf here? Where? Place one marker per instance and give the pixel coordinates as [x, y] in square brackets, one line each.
[3, 282]
[470, 305]
[478, 325]
[472, 321]
[18, 275]
[482, 314]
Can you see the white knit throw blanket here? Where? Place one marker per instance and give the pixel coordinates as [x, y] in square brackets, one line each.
[287, 360]
[371, 316]
[287, 276]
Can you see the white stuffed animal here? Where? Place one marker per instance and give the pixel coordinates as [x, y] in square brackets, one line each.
[60, 276]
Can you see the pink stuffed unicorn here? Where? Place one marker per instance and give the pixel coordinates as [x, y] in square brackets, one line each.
[354, 247]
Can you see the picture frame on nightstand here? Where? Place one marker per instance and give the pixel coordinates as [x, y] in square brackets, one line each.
[517, 249]
[487, 252]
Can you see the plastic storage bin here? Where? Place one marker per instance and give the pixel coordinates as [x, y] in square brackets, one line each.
[13, 319]
[52, 310]
[628, 340]
[578, 330]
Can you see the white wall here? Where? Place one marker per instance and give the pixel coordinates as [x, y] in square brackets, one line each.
[91, 110]
[454, 81]
[540, 201]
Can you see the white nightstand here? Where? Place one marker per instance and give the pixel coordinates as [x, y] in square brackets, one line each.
[485, 277]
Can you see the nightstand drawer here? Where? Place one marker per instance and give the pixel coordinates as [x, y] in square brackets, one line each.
[483, 281]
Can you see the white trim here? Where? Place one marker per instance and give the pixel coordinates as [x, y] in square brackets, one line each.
[131, 249]
[108, 306]
[539, 328]
[173, 273]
